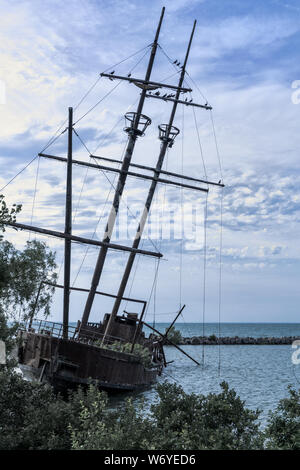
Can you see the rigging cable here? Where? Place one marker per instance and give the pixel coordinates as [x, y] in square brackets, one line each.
[108, 93]
[111, 183]
[204, 276]
[199, 142]
[216, 144]
[133, 277]
[54, 138]
[220, 281]
[181, 216]
[154, 297]
[152, 288]
[127, 58]
[96, 228]
[34, 194]
[98, 102]
[21, 171]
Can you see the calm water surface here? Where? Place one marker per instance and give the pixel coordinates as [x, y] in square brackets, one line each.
[259, 374]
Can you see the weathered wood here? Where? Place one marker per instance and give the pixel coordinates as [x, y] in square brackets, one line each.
[68, 229]
[163, 150]
[86, 241]
[129, 173]
[146, 82]
[187, 103]
[179, 313]
[132, 137]
[164, 172]
[106, 294]
[173, 344]
[136, 165]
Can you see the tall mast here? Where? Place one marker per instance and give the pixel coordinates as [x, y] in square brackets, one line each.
[133, 134]
[68, 229]
[166, 142]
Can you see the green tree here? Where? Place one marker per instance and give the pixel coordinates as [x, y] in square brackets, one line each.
[24, 271]
[6, 214]
[283, 430]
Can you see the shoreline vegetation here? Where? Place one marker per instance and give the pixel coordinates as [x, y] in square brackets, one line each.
[34, 417]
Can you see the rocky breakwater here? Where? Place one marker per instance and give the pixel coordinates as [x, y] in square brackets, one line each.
[232, 340]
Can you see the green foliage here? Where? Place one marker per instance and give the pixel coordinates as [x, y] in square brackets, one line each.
[24, 271]
[174, 335]
[283, 430]
[6, 214]
[31, 415]
[99, 428]
[212, 338]
[215, 421]
[142, 353]
[178, 421]
[8, 335]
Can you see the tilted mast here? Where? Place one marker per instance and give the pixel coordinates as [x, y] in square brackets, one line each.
[167, 134]
[133, 133]
[68, 230]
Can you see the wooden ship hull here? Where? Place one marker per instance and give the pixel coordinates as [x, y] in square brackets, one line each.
[80, 359]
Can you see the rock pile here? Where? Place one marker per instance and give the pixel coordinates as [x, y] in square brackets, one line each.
[239, 340]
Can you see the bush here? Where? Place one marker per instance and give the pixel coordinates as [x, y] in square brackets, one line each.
[139, 351]
[283, 430]
[31, 415]
[216, 421]
[174, 335]
[213, 338]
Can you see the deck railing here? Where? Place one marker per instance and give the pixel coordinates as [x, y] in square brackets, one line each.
[75, 333]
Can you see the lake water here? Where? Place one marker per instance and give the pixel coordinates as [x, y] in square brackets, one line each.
[259, 374]
[256, 330]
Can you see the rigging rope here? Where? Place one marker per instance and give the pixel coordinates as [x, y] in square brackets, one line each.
[152, 288]
[96, 228]
[111, 183]
[98, 102]
[34, 194]
[220, 281]
[181, 215]
[216, 143]
[21, 171]
[87, 93]
[127, 58]
[154, 299]
[50, 142]
[199, 142]
[204, 275]
[108, 93]
[133, 277]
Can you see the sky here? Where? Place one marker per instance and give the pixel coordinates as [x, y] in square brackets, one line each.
[242, 262]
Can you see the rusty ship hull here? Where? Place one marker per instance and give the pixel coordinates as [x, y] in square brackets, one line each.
[67, 363]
